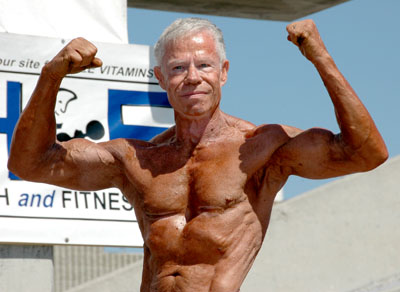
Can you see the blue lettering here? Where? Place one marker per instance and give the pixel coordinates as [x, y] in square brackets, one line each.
[35, 200]
[23, 202]
[39, 197]
[14, 106]
[48, 200]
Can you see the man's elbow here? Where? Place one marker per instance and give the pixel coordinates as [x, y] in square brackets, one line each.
[383, 156]
[14, 167]
[20, 169]
[376, 158]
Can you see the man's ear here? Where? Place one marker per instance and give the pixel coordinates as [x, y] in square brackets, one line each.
[224, 72]
[159, 76]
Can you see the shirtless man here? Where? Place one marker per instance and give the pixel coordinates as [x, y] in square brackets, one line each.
[202, 190]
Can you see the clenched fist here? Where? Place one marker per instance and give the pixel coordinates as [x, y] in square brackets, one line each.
[76, 56]
[305, 35]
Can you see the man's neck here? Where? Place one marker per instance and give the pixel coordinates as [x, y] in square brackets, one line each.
[199, 129]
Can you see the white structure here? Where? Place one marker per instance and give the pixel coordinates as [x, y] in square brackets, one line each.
[25, 268]
[343, 236]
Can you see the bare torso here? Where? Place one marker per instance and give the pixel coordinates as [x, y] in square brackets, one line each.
[203, 212]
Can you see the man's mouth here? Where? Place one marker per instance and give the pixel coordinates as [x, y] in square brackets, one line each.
[193, 93]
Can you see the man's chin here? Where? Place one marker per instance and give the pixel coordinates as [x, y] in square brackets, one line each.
[197, 113]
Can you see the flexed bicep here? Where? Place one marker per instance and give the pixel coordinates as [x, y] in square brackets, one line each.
[318, 153]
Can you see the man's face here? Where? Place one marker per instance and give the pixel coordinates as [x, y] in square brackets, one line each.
[192, 74]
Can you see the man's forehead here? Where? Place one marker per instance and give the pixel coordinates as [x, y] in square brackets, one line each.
[197, 37]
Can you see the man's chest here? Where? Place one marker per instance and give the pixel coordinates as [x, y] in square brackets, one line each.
[167, 182]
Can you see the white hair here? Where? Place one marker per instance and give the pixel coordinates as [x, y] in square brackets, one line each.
[185, 26]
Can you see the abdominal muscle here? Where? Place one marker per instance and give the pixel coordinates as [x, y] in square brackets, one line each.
[211, 252]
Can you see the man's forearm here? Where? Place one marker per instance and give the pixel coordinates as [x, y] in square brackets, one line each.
[353, 118]
[358, 130]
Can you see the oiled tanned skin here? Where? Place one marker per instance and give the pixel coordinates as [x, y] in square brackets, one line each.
[204, 189]
[204, 217]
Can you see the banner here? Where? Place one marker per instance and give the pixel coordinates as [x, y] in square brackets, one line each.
[120, 99]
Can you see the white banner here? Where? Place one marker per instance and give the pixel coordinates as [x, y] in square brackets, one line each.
[96, 20]
[121, 99]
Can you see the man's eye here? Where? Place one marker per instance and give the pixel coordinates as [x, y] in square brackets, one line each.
[204, 65]
[178, 68]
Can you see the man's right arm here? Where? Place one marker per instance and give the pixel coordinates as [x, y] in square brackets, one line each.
[35, 153]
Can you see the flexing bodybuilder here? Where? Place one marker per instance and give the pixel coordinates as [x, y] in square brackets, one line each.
[202, 190]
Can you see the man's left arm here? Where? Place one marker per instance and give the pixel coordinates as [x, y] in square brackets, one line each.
[318, 153]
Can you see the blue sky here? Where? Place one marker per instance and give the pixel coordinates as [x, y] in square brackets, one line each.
[271, 82]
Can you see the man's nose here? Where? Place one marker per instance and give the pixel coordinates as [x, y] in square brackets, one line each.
[192, 76]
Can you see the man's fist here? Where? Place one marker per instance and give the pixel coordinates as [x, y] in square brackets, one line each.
[305, 35]
[76, 56]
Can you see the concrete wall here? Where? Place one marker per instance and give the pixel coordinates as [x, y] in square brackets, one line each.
[126, 279]
[26, 268]
[344, 236]
[75, 266]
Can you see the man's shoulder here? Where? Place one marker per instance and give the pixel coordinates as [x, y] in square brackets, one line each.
[164, 136]
[271, 137]
[251, 129]
[276, 129]
[123, 146]
[238, 123]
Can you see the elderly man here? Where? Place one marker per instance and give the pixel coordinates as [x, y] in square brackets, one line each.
[202, 190]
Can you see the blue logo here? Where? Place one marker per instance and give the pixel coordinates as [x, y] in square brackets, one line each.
[118, 98]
